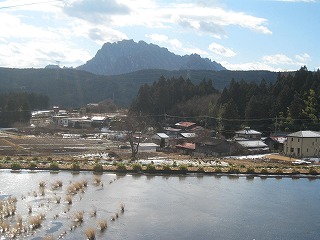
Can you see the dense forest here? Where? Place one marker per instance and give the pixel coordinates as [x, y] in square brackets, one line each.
[73, 88]
[289, 104]
[17, 107]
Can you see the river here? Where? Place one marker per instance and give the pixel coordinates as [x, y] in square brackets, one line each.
[169, 207]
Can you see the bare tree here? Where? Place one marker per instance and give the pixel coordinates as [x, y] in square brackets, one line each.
[135, 127]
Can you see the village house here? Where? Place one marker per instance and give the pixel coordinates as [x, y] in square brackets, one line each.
[250, 141]
[248, 134]
[161, 139]
[302, 144]
[215, 147]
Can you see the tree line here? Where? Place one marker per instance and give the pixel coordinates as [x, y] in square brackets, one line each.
[290, 104]
[17, 107]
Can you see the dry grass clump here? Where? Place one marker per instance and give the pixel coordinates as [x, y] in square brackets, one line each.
[79, 216]
[68, 199]
[122, 207]
[74, 188]
[36, 221]
[42, 191]
[93, 213]
[57, 199]
[97, 180]
[8, 207]
[4, 227]
[57, 184]
[42, 184]
[29, 208]
[90, 233]
[102, 224]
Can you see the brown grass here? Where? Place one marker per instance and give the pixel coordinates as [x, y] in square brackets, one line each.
[79, 216]
[90, 233]
[102, 224]
[68, 199]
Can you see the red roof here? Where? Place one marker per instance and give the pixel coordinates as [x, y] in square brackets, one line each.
[185, 124]
[190, 146]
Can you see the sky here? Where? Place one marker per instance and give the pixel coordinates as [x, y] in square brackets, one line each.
[275, 35]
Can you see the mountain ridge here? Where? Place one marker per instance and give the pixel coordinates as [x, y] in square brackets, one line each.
[128, 56]
[75, 88]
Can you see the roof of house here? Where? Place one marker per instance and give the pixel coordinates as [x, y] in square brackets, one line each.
[98, 118]
[185, 124]
[305, 134]
[161, 135]
[188, 135]
[248, 131]
[252, 144]
[170, 129]
[190, 146]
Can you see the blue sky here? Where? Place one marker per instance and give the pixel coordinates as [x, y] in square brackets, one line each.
[276, 35]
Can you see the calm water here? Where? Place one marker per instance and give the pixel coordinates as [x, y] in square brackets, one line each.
[174, 207]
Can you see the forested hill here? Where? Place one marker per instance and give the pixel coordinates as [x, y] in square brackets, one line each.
[74, 88]
[292, 103]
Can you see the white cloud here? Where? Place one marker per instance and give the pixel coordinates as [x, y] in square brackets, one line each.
[281, 59]
[304, 58]
[278, 59]
[250, 66]
[175, 45]
[221, 50]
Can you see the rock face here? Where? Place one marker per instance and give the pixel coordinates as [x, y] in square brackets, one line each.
[128, 56]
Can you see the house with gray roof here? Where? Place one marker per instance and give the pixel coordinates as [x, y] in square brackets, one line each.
[302, 144]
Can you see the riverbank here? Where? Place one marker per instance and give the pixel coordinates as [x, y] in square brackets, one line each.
[168, 166]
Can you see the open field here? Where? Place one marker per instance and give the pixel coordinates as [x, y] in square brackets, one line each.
[66, 150]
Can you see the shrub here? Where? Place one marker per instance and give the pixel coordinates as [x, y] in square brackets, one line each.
[313, 171]
[32, 165]
[218, 170]
[200, 169]
[250, 170]
[233, 170]
[136, 167]
[54, 166]
[98, 168]
[279, 171]
[15, 166]
[166, 167]
[121, 167]
[75, 167]
[174, 164]
[183, 168]
[264, 171]
[295, 171]
[150, 168]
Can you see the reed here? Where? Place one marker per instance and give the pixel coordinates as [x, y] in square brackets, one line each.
[122, 207]
[68, 199]
[94, 213]
[35, 222]
[102, 224]
[90, 233]
[79, 216]
[42, 184]
[97, 180]
[57, 199]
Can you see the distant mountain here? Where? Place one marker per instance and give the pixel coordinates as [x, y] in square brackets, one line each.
[74, 88]
[128, 56]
